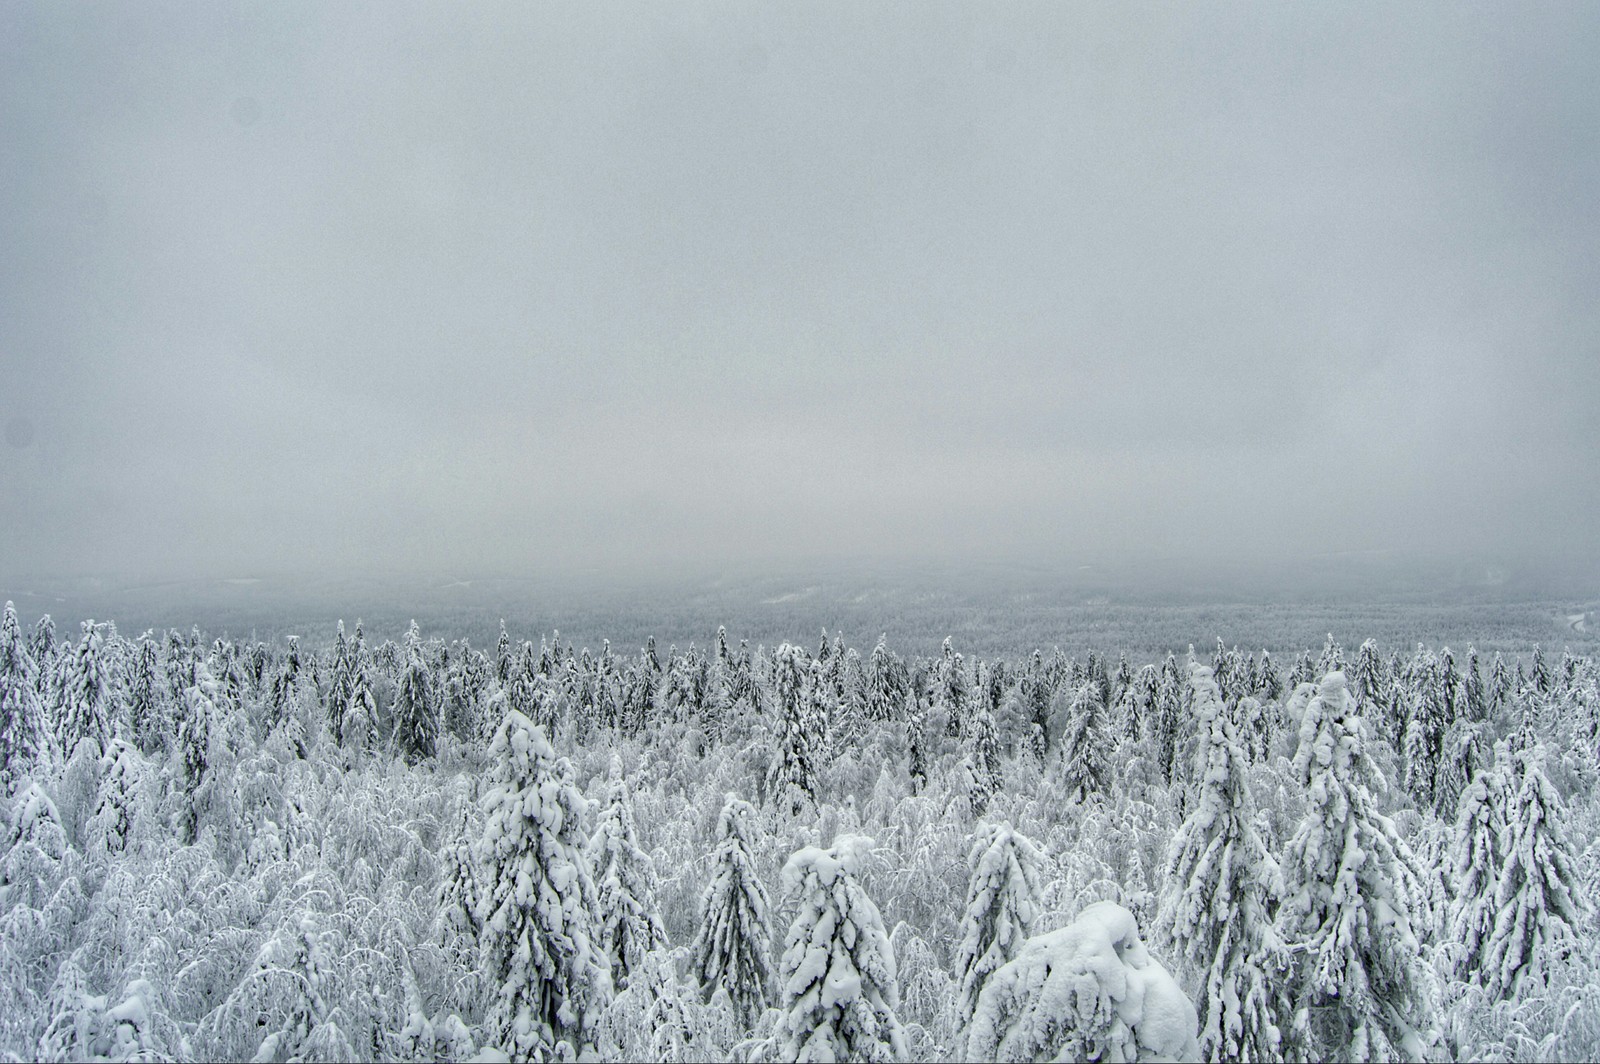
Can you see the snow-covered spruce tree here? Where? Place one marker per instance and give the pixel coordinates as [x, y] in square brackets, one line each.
[457, 897]
[792, 779]
[1472, 870]
[1217, 908]
[283, 685]
[838, 979]
[42, 643]
[1001, 906]
[733, 951]
[548, 976]
[416, 712]
[916, 727]
[1086, 744]
[1350, 909]
[85, 699]
[1166, 732]
[821, 710]
[150, 722]
[1087, 991]
[23, 740]
[1538, 907]
[111, 823]
[983, 759]
[341, 667]
[359, 728]
[629, 924]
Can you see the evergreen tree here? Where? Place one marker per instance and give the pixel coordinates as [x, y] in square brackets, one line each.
[85, 698]
[1217, 910]
[23, 739]
[1003, 873]
[1427, 721]
[359, 728]
[1351, 907]
[733, 951]
[1087, 991]
[1476, 697]
[628, 925]
[1499, 688]
[793, 777]
[339, 685]
[1268, 684]
[1167, 736]
[200, 727]
[838, 977]
[1539, 671]
[916, 742]
[149, 718]
[416, 716]
[1086, 744]
[111, 823]
[1538, 901]
[982, 758]
[42, 644]
[1473, 866]
[549, 976]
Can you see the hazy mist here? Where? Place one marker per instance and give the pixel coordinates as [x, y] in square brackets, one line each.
[310, 288]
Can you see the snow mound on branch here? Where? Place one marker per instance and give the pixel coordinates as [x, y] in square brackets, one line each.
[1088, 991]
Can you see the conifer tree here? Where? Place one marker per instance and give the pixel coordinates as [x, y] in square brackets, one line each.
[1477, 703]
[1539, 671]
[628, 925]
[1167, 735]
[1003, 873]
[1087, 991]
[359, 727]
[1218, 905]
[838, 977]
[337, 703]
[916, 742]
[1473, 866]
[733, 951]
[111, 823]
[416, 716]
[1086, 744]
[982, 758]
[1269, 685]
[1499, 687]
[792, 780]
[1538, 902]
[1351, 906]
[200, 727]
[149, 718]
[85, 698]
[42, 644]
[549, 977]
[1427, 721]
[23, 739]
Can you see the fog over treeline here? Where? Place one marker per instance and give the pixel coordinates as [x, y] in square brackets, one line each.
[291, 290]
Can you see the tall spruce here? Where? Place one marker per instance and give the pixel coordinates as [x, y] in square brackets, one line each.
[548, 975]
[1218, 910]
[23, 739]
[1351, 909]
[1004, 869]
[733, 951]
[839, 983]
[1538, 899]
[628, 925]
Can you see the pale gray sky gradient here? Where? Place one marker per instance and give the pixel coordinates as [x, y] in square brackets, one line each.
[504, 287]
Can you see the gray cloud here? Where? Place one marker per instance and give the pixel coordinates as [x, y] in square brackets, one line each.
[298, 287]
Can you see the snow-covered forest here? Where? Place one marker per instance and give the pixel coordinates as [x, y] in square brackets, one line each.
[425, 850]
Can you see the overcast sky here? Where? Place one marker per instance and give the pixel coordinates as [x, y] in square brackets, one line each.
[495, 287]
